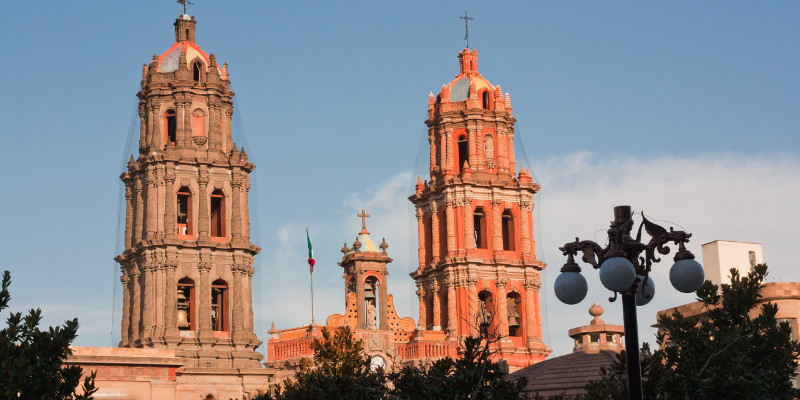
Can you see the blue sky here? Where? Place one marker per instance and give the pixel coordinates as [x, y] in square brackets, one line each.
[688, 110]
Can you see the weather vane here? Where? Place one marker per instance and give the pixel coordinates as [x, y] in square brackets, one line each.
[466, 26]
[184, 2]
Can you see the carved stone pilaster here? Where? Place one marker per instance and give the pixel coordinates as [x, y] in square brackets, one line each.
[169, 206]
[155, 127]
[497, 234]
[236, 213]
[525, 236]
[442, 152]
[432, 143]
[423, 324]
[437, 306]
[138, 227]
[502, 147]
[472, 299]
[435, 232]
[420, 236]
[150, 191]
[531, 319]
[469, 229]
[126, 307]
[502, 304]
[452, 316]
[204, 304]
[214, 134]
[128, 214]
[148, 294]
[136, 305]
[142, 129]
[202, 212]
[160, 185]
[170, 298]
[449, 204]
[237, 310]
[512, 165]
[480, 157]
[244, 194]
[472, 149]
[448, 137]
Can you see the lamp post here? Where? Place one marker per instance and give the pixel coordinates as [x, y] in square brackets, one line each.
[625, 272]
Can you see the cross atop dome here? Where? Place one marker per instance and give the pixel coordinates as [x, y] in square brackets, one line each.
[364, 217]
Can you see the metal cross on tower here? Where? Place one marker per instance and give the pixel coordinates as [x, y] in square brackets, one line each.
[364, 217]
[184, 2]
[466, 26]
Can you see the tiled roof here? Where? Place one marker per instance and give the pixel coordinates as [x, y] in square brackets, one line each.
[567, 374]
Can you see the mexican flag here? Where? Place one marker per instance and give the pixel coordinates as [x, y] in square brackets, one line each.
[310, 252]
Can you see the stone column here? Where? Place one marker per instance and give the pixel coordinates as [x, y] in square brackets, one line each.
[170, 300]
[442, 152]
[183, 131]
[502, 304]
[155, 128]
[531, 290]
[128, 213]
[451, 226]
[248, 280]
[245, 191]
[136, 305]
[138, 226]
[142, 129]
[512, 165]
[497, 233]
[204, 328]
[435, 232]
[432, 142]
[126, 308]
[214, 134]
[384, 303]
[469, 229]
[472, 152]
[360, 309]
[502, 147]
[452, 317]
[472, 299]
[236, 211]
[148, 293]
[169, 206]
[150, 192]
[479, 148]
[420, 236]
[524, 228]
[202, 212]
[448, 136]
[160, 184]
[237, 310]
[422, 309]
[437, 307]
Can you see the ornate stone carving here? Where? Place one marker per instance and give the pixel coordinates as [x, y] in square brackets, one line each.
[420, 236]
[472, 299]
[128, 214]
[138, 228]
[437, 306]
[136, 305]
[448, 133]
[451, 226]
[204, 306]
[169, 207]
[170, 296]
[435, 232]
[238, 305]
[372, 315]
[497, 238]
[488, 147]
[202, 212]
[422, 309]
[236, 212]
[126, 307]
[469, 229]
[502, 307]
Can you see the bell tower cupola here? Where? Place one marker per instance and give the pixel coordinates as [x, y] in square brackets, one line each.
[477, 260]
[187, 266]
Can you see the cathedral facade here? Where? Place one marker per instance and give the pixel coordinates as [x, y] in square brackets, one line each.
[187, 328]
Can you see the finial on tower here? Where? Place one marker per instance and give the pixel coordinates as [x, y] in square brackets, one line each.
[184, 2]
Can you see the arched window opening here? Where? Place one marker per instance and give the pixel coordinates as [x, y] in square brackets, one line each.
[438, 152]
[508, 230]
[171, 127]
[217, 214]
[429, 311]
[186, 300]
[198, 71]
[184, 215]
[479, 225]
[219, 305]
[462, 152]
[486, 312]
[486, 101]
[514, 309]
[371, 302]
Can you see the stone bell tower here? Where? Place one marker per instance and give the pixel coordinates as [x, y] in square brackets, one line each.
[477, 261]
[188, 260]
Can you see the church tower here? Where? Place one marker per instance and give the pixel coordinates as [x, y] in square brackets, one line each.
[188, 260]
[477, 260]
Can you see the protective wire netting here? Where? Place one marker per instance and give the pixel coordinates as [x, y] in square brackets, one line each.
[422, 170]
[240, 138]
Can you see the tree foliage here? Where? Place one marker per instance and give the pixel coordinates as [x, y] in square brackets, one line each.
[736, 350]
[341, 370]
[30, 359]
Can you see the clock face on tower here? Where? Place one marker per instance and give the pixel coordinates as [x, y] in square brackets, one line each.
[377, 362]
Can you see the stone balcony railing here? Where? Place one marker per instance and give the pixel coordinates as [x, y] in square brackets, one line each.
[427, 350]
[293, 348]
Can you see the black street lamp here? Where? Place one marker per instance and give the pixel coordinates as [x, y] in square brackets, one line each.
[625, 272]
